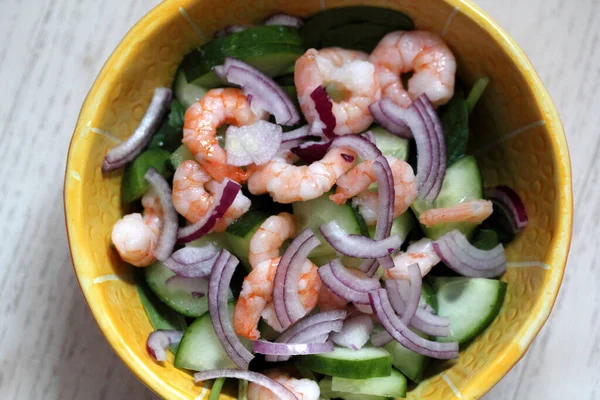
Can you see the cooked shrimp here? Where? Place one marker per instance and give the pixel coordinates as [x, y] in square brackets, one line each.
[193, 190]
[217, 107]
[474, 212]
[304, 389]
[136, 236]
[330, 301]
[257, 292]
[421, 253]
[269, 237]
[426, 55]
[353, 78]
[357, 180]
[289, 183]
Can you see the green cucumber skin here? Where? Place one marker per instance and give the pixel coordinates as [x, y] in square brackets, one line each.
[393, 385]
[348, 368]
[327, 393]
[469, 333]
[159, 314]
[271, 49]
[133, 184]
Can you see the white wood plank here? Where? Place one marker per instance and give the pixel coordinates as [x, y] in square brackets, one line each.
[51, 51]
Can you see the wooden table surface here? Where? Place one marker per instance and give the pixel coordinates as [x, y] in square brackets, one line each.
[50, 53]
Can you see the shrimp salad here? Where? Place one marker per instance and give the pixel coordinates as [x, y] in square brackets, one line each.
[305, 212]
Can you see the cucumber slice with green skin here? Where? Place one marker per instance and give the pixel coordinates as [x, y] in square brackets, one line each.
[179, 156]
[390, 145]
[401, 225]
[368, 362]
[328, 393]
[463, 182]
[411, 364]
[160, 316]
[470, 303]
[314, 213]
[200, 349]
[272, 49]
[219, 239]
[185, 92]
[388, 386]
[133, 184]
[180, 301]
[240, 233]
[318, 28]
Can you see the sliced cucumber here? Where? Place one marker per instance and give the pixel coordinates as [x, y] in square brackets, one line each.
[390, 145]
[240, 233]
[470, 303]
[411, 364]
[178, 300]
[180, 155]
[160, 316]
[133, 184]
[185, 92]
[314, 213]
[463, 182]
[327, 393]
[200, 349]
[401, 225]
[319, 27]
[368, 362]
[271, 49]
[388, 386]
[219, 239]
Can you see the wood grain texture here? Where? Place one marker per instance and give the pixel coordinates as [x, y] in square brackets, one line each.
[50, 346]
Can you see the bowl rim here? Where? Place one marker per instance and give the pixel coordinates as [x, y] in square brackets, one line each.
[563, 178]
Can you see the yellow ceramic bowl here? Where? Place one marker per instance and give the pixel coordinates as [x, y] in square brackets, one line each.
[518, 140]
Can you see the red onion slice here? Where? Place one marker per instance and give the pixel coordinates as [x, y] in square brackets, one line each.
[168, 233]
[423, 320]
[193, 262]
[427, 130]
[310, 152]
[285, 20]
[385, 180]
[326, 122]
[355, 291]
[218, 290]
[355, 333]
[266, 94]
[511, 202]
[223, 199]
[159, 340]
[414, 295]
[291, 349]
[461, 256]
[195, 287]
[358, 246]
[399, 331]
[288, 307]
[359, 144]
[133, 146]
[390, 117]
[277, 388]
[252, 144]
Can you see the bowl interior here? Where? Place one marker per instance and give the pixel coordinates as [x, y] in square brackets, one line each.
[518, 140]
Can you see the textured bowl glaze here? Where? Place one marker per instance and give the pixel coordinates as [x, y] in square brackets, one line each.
[518, 140]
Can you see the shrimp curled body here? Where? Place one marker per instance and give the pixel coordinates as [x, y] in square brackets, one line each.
[474, 212]
[217, 107]
[269, 237]
[353, 78]
[426, 55]
[135, 236]
[288, 183]
[257, 294]
[193, 195]
[357, 180]
[304, 389]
